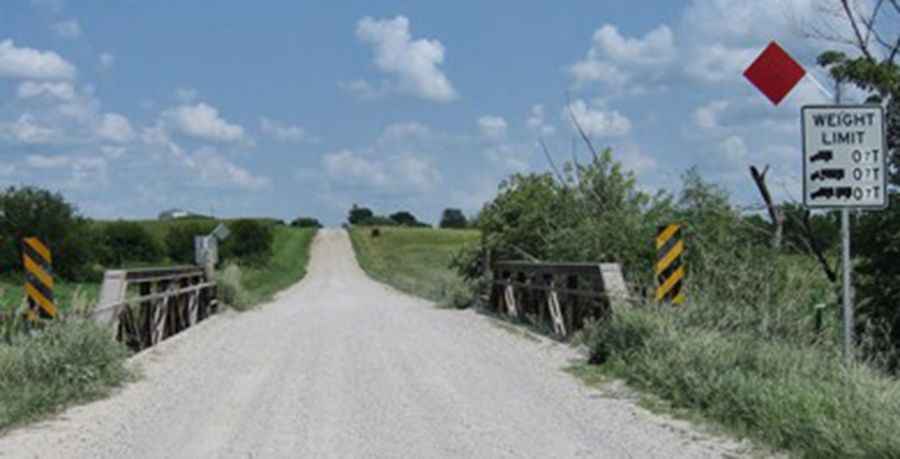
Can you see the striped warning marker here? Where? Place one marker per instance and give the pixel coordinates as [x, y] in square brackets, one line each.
[38, 278]
[669, 268]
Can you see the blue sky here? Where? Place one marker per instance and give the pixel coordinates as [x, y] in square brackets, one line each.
[294, 108]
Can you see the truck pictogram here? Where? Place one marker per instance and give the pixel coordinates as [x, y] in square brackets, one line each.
[823, 193]
[828, 174]
[822, 155]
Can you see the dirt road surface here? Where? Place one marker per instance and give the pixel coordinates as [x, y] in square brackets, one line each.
[342, 366]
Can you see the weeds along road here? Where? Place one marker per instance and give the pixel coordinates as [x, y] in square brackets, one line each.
[341, 366]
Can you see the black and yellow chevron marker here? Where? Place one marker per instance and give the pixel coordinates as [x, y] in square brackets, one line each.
[38, 278]
[669, 268]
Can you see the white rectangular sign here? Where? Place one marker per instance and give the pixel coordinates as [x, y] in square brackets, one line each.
[844, 156]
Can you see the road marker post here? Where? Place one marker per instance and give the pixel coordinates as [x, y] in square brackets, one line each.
[38, 262]
[670, 270]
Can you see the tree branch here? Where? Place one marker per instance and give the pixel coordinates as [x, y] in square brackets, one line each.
[861, 43]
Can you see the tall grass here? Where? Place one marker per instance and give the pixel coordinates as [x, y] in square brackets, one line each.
[415, 260]
[62, 364]
[748, 351]
[246, 286]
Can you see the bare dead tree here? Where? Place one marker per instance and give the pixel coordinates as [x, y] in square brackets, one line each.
[776, 214]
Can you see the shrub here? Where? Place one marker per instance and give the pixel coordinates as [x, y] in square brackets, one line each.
[128, 241]
[250, 241]
[34, 212]
[376, 220]
[180, 239]
[230, 288]
[404, 218]
[358, 214]
[453, 218]
[306, 222]
[66, 362]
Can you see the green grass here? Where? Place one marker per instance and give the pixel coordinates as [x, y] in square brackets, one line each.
[288, 265]
[786, 394]
[413, 260]
[12, 292]
[66, 363]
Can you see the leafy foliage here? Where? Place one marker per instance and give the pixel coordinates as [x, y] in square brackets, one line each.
[359, 214]
[453, 219]
[306, 222]
[128, 242]
[34, 212]
[250, 241]
[404, 218]
[180, 239]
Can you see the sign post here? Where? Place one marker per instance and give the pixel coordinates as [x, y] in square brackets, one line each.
[845, 167]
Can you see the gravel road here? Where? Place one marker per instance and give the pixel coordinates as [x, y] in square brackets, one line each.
[342, 366]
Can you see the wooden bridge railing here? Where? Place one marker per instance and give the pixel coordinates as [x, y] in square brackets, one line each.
[561, 294]
[145, 306]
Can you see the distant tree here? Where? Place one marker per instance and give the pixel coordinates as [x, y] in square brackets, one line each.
[250, 241]
[359, 214]
[306, 222]
[125, 241]
[404, 218]
[453, 218]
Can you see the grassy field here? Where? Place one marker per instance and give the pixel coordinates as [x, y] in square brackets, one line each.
[287, 266]
[414, 260]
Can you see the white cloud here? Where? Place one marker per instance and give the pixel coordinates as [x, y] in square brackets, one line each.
[203, 122]
[47, 162]
[535, 121]
[281, 131]
[511, 158]
[33, 64]
[413, 62]
[27, 130]
[597, 123]
[399, 132]
[107, 60]
[618, 61]
[405, 171]
[68, 29]
[716, 62]
[115, 128]
[733, 149]
[362, 89]
[216, 170]
[707, 116]
[62, 90]
[492, 127]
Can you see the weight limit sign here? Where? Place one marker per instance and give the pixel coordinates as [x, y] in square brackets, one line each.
[844, 157]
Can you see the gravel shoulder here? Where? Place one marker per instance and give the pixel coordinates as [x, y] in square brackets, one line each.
[342, 366]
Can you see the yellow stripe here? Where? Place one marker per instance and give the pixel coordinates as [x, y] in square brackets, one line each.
[664, 289]
[666, 235]
[38, 272]
[670, 257]
[40, 248]
[680, 299]
[46, 304]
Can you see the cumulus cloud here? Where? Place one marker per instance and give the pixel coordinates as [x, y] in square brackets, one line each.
[707, 116]
[535, 121]
[28, 63]
[68, 29]
[618, 61]
[115, 128]
[597, 122]
[492, 127]
[202, 121]
[47, 162]
[400, 132]
[216, 170]
[281, 131]
[27, 130]
[414, 63]
[362, 89]
[61, 90]
[405, 171]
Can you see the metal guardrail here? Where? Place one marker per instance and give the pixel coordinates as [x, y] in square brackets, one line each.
[563, 294]
[167, 301]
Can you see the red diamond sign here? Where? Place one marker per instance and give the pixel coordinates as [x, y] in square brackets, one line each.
[775, 73]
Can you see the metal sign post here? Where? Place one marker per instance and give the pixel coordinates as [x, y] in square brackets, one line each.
[845, 167]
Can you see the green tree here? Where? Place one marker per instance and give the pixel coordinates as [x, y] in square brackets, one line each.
[128, 241]
[359, 214]
[250, 241]
[404, 218]
[453, 218]
[34, 212]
